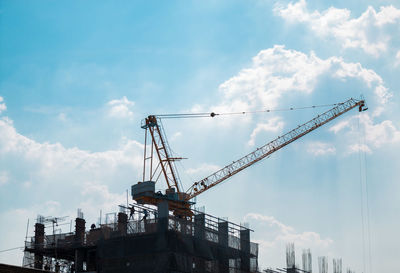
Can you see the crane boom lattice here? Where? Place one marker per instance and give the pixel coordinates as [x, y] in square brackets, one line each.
[271, 147]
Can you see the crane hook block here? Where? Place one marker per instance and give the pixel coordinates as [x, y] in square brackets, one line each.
[362, 107]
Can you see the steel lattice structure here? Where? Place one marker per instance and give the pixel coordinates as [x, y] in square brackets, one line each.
[271, 147]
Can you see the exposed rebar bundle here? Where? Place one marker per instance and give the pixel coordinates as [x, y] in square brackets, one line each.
[337, 265]
[307, 260]
[323, 264]
[290, 255]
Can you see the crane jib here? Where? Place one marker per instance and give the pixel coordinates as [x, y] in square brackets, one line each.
[269, 148]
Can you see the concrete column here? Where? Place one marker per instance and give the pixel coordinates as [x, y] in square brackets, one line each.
[79, 257]
[162, 216]
[80, 230]
[223, 238]
[199, 226]
[39, 241]
[122, 223]
[245, 250]
[79, 240]
[200, 233]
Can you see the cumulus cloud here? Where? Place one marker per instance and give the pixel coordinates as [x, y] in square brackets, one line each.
[273, 73]
[318, 148]
[369, 32]
[54, 158]
[397, 63]
[75, 178]
[378, 134]
[354, 148]
[277, 71]
[288, 234]
[274, 124]
[3, 106]
[340, 126]
[54, 168]
[120, 108]
[203, 170]
[275, 235]
[176, 136]
[3, 177]
[375, 135]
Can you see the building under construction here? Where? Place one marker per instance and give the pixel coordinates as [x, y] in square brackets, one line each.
[145, 240]
[163, 233]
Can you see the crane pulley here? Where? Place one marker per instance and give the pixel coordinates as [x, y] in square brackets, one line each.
[178, 200]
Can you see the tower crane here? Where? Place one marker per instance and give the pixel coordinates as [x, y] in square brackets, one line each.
[179, 201]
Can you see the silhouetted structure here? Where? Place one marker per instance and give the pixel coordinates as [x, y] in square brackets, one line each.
[159, 243]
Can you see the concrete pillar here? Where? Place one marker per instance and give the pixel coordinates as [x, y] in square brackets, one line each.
[122, 223]
[162, 216]
[91, 260]
[39, 241]
[199, 226]
[223, 238]
[79, 257]
[79, 240]
[80, 230]
[200, 233]
[245, 250]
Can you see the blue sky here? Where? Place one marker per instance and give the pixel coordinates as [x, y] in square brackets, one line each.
[77, 77]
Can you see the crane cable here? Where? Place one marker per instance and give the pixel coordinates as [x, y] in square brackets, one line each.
[361, 194]
[5, 250]
[365, 215]
[368, 210]
[212, 114]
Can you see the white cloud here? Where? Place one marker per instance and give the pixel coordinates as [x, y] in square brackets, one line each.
[321, 148]
[354, 148]
[62, 116]
[3, 106]
[120, 108]
[277, 71]
[274, 124]
[340, 126]
[276, 74]
[176, 136]
[203, 170]
[381, 133]
[273, 73]
[288, 234]
[75, 178]
[276, 235]
[363, 128]
[54, 167]
[27, 184]
[370, 31]
[397, 62]
[51, 158]
[3, 177]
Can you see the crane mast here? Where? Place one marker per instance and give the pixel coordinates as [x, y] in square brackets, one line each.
[179, 201]
[159, 145]
[271, 147]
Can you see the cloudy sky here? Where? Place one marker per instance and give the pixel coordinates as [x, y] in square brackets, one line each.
[77, 78]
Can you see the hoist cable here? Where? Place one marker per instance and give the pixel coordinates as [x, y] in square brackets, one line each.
[213, 114]
[362, 195]
[367, 203]
[5, 250]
